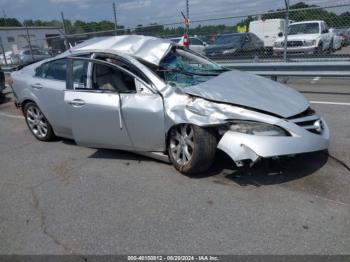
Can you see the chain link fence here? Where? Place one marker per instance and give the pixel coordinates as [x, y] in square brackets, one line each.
[300, 33]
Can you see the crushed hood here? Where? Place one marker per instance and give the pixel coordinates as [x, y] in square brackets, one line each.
[243, 89]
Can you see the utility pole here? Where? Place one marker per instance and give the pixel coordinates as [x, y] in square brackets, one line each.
[65, 31]
[286, 25]
[5, 16]
[188, 16]
[29, 43]
[3, 51]
[115, 19]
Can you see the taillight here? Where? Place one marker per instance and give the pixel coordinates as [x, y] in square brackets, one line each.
[186, 44]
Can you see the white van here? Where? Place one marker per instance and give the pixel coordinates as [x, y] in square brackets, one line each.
[267, 30]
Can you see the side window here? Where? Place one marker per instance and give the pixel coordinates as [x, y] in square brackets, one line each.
[79, 74]
[35, 52]
[195, 41]
[42, 70]
[57, 70]
[111, 79]
[27, 52]
[326, 27]
[254, 38]
[124, 65]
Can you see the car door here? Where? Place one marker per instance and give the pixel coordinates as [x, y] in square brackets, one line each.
[109, 107]
[48, 85]
[326, 35]
[248, 45]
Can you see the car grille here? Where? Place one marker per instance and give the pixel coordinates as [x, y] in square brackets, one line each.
[294, 43]
[308, 120]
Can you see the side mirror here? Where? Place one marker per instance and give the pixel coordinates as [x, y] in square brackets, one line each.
[205, 43]
[280, 34]
[141, 87]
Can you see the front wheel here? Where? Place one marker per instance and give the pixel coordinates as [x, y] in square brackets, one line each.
[191, 148]
[37, 122]
[319, 49]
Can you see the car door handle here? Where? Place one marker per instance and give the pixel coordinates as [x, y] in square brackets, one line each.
[36, 86]
[77, 102]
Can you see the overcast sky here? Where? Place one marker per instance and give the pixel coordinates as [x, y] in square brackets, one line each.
[133, 12]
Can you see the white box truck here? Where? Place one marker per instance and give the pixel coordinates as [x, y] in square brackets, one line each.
[268, 30]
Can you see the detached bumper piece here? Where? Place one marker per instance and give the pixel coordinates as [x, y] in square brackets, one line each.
[308, 134]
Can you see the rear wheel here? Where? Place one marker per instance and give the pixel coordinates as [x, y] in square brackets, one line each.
[37, 122]
[191, 148]
[331, 47]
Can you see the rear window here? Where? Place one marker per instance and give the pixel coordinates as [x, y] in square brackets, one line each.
[57, 70]
[195, 41]
[42, 70]
[175, 40]
[228, 39]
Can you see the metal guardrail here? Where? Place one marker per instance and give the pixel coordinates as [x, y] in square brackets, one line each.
[274, 69]
[8, 69]
[326, 69]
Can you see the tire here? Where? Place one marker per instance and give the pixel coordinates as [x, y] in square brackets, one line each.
[199, 143]
[37, 123]
[319, 49]
[331, 47]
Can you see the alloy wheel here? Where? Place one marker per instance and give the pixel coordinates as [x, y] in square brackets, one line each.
[182, 144]
[36, 121]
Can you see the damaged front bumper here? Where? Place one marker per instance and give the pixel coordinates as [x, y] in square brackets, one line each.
[240, 146]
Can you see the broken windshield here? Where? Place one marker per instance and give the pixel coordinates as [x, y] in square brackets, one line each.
[183, 68]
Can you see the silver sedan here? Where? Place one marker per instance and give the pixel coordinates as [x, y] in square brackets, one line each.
[154, 97]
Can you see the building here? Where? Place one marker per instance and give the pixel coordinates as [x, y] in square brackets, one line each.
[15, 38]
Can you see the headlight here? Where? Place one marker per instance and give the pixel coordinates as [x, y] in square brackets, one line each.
[309, 42]
[229, 51]
[257, 128]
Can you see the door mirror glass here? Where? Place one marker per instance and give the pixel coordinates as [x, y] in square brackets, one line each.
[280, 34]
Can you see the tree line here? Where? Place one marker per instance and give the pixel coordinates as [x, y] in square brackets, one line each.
[79, 26]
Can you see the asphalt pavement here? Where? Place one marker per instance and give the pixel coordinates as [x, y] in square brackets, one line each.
[60, 198]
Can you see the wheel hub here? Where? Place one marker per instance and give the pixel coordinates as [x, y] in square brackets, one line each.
[181, 144]
[36, 122]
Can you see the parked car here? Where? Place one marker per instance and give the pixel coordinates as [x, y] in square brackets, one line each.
[337, 42]
[308, 37]
[195, 43]
[8, 56]
[209, 39]
[24, 56]
[151, 96]
[343, 34]
[236, 44]
[2, 81]
[268, 30]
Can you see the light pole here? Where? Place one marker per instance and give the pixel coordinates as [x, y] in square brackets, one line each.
[286, 25]
[188, 16]
[65, 31]
[115, 19]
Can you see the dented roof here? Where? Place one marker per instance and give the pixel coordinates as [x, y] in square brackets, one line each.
[148, 48]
